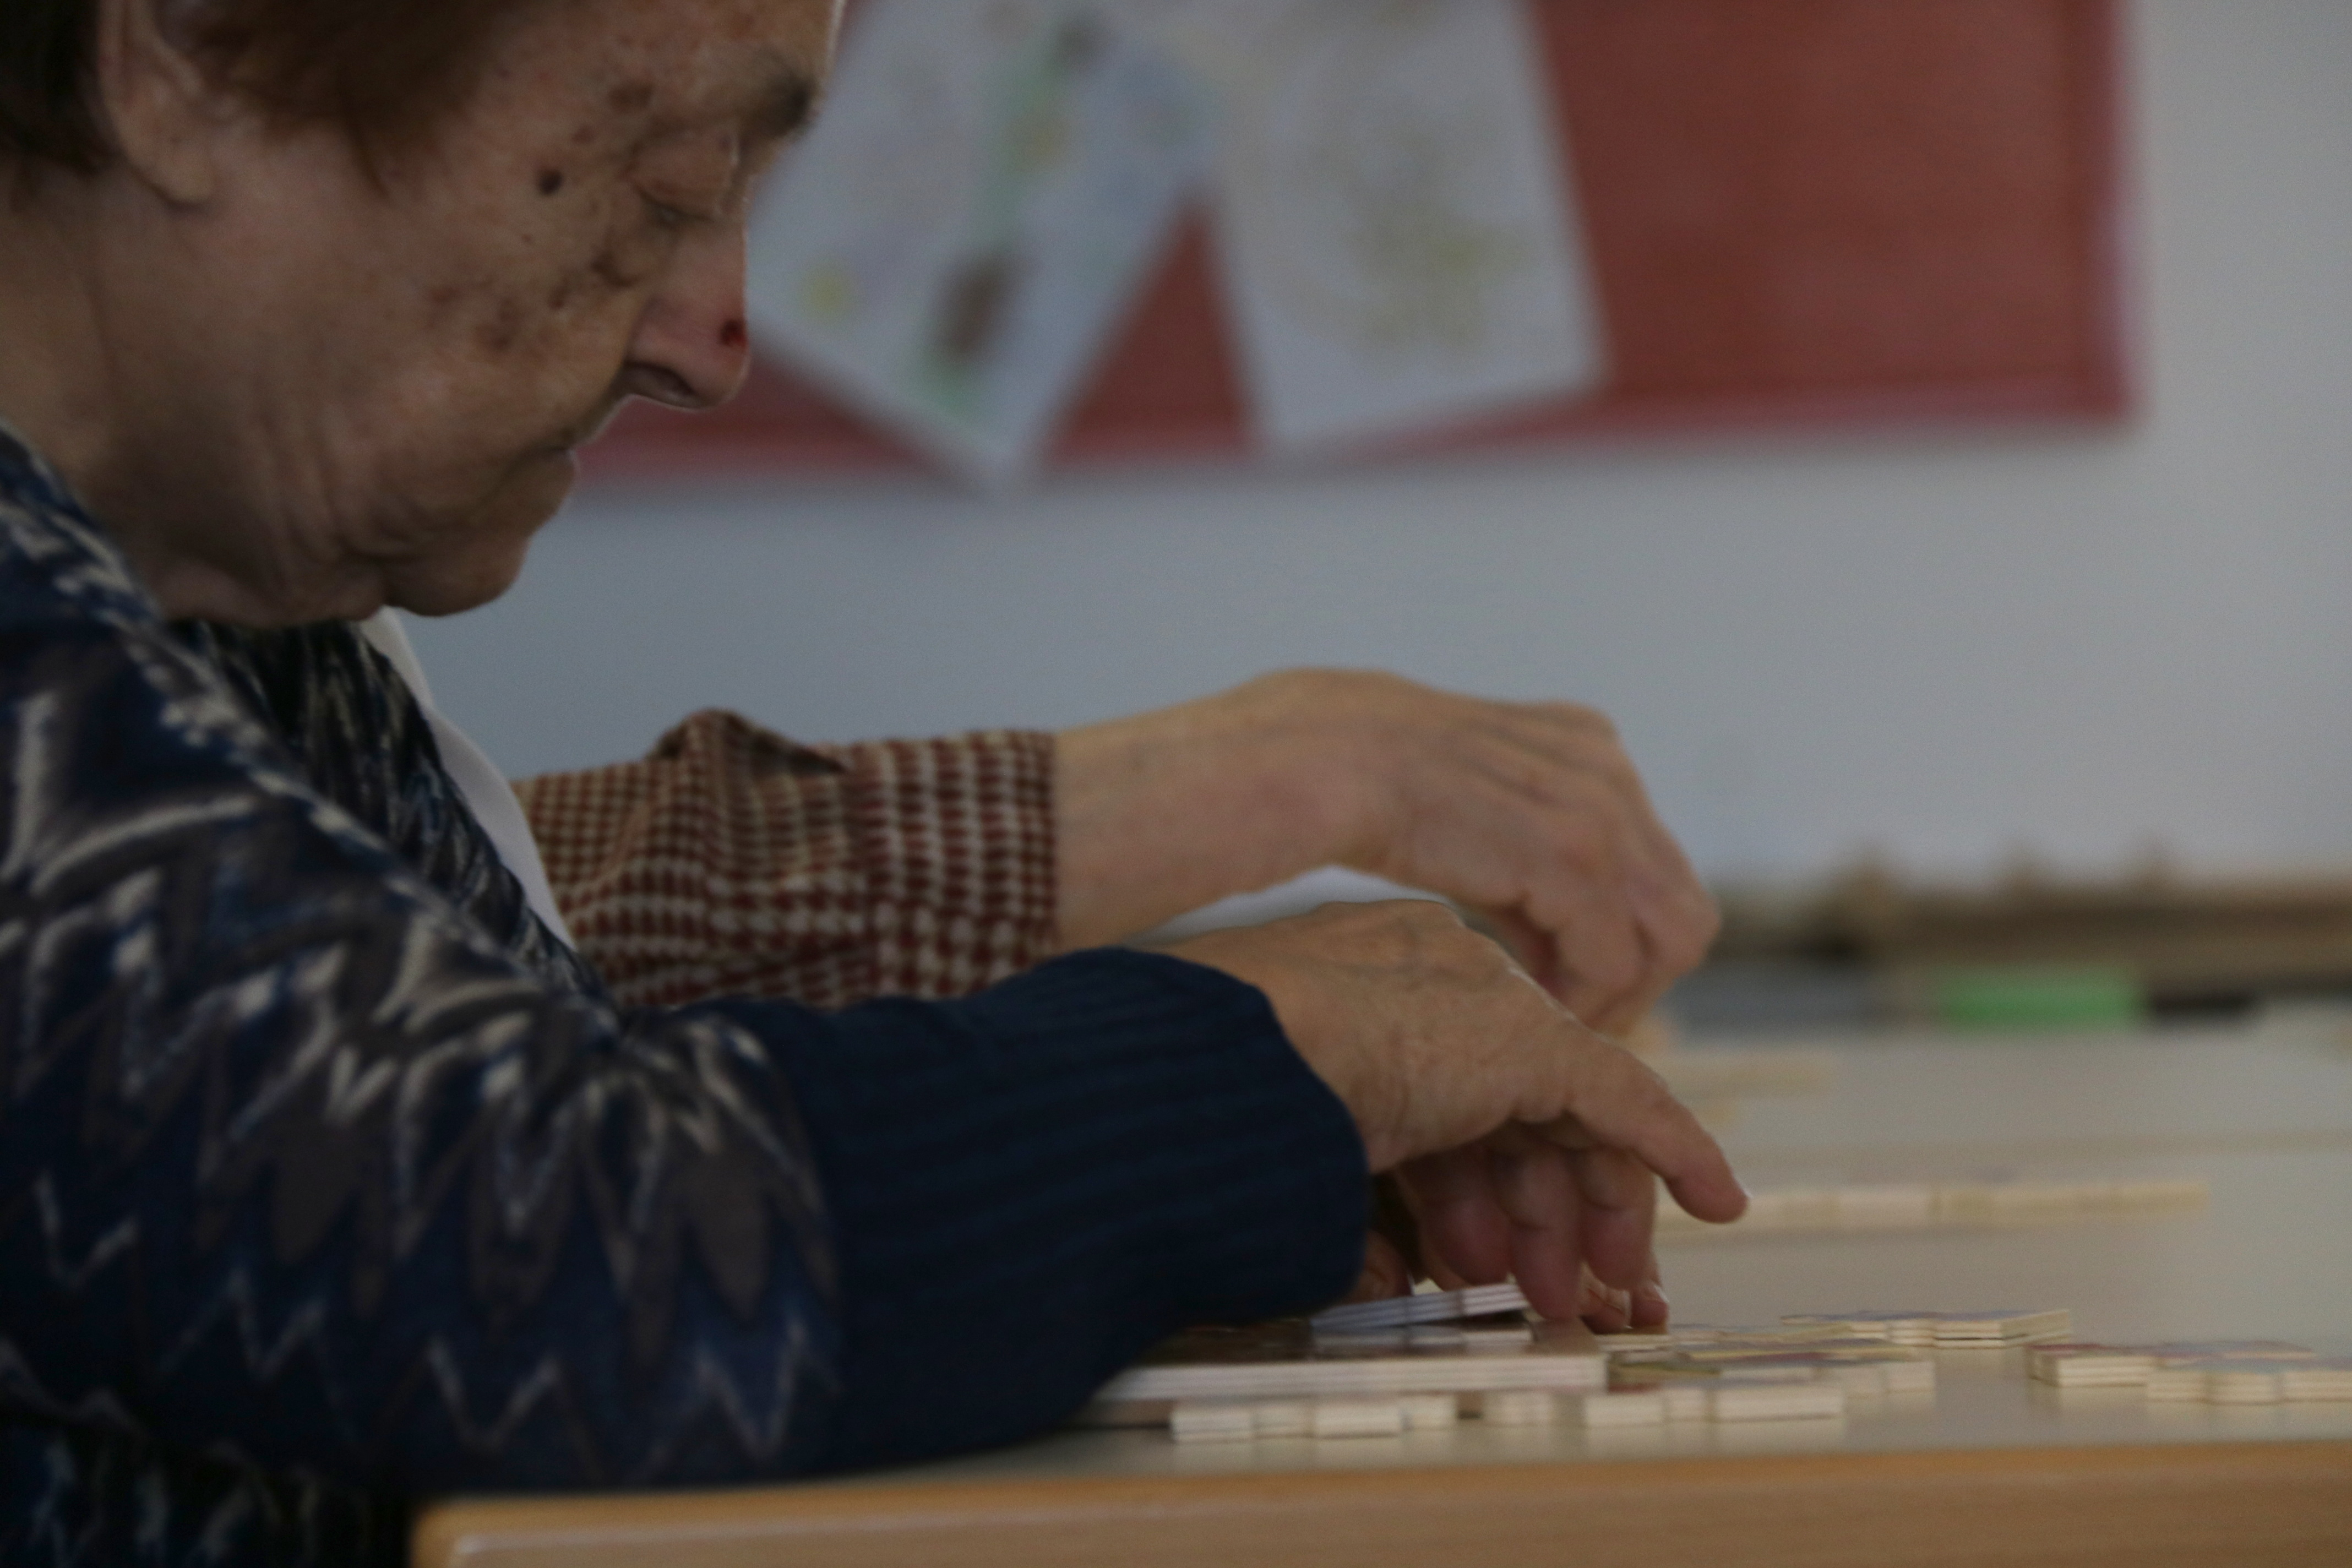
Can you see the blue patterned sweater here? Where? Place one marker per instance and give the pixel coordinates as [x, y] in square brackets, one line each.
[329, 1180]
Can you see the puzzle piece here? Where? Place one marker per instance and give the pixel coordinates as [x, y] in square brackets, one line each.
[1746, 1402]
[1684, 1402]
[2244, 1381]
[2080, 1364]
[1759, 1334]
[1423, 1307]
[2005, 1326]
[1286, 1380]
[1283, 1418]
[1864, 1369]
[1211, 1422]
[1929, 1206]
[1358, 1418]
[1816, 1347]
[1633, 1408]
[1519, 1407]
[2175, 1351]
[1287, 1360]
[1429, 1412]
[2330, 1379]
[1905, 1327]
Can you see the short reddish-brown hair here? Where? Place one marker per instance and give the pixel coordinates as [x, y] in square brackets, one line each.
[382, 68]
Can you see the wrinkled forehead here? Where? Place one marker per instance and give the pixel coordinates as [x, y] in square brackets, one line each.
[761, 62]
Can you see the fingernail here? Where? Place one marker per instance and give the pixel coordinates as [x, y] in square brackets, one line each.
[1652, 1294]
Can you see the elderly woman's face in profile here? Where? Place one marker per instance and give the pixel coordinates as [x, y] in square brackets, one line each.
[391, 369]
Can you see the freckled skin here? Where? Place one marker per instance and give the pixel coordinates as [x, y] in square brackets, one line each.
[381, 383]
[609, 271]
[499, 334]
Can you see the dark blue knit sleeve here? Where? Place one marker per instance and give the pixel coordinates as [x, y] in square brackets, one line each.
[1033, 1185]
[299, 1167]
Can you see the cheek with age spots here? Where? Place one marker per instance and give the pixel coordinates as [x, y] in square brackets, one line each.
[621, 266]
[603, 229]
[501, 326]
[492, 320]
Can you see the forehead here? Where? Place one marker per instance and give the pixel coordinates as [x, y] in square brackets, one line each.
[761, 60]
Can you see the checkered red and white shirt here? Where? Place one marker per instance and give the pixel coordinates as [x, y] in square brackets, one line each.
[732, 861]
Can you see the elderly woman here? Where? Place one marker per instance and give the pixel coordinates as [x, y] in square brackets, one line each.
[330, 1174]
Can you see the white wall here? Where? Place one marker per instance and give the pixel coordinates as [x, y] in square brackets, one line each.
[1947, 646]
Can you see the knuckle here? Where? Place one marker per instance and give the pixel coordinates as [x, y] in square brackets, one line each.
[1606, 799]
[1376, 688]
[1696, 940]
[1645, 1093]
[1577, 716]
[1584, 837]
[1415, 933]
[1683, 949]
[1707, 917]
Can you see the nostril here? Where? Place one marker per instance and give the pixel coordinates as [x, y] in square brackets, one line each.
[660, 383]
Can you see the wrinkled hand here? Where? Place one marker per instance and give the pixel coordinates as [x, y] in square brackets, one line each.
[1395, 1257]
[1525, 1143]
[1530, 815]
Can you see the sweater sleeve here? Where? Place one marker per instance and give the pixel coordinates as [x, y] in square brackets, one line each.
[733, 862]
[298, 1165]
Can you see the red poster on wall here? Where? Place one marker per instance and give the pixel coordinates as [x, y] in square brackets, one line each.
[1801, 214]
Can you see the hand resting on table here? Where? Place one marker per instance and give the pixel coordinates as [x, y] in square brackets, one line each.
[1525, 1143]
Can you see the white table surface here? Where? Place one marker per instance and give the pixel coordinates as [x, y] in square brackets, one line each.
[2263, 1114]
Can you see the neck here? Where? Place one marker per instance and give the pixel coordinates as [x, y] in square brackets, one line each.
[52, 385]
[94, 376]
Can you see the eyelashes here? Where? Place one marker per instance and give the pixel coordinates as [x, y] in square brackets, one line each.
[691, 180]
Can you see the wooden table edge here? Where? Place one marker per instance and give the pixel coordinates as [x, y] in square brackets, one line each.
[2296, 1497]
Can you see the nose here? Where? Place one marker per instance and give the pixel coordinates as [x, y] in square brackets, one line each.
[692, 349]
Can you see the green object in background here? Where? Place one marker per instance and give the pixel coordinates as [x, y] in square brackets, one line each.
[2042, 997]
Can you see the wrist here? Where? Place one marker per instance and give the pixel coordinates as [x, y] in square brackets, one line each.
[1336, 739]
[1165, 812]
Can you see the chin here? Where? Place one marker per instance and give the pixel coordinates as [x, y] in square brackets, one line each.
[489, 552]
[449, 591]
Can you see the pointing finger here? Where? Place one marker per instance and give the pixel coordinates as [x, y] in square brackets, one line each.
[1616, 1102]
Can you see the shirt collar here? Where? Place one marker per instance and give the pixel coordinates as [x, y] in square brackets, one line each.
[41, 519]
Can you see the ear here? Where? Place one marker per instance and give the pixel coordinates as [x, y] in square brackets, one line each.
[166, 112]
